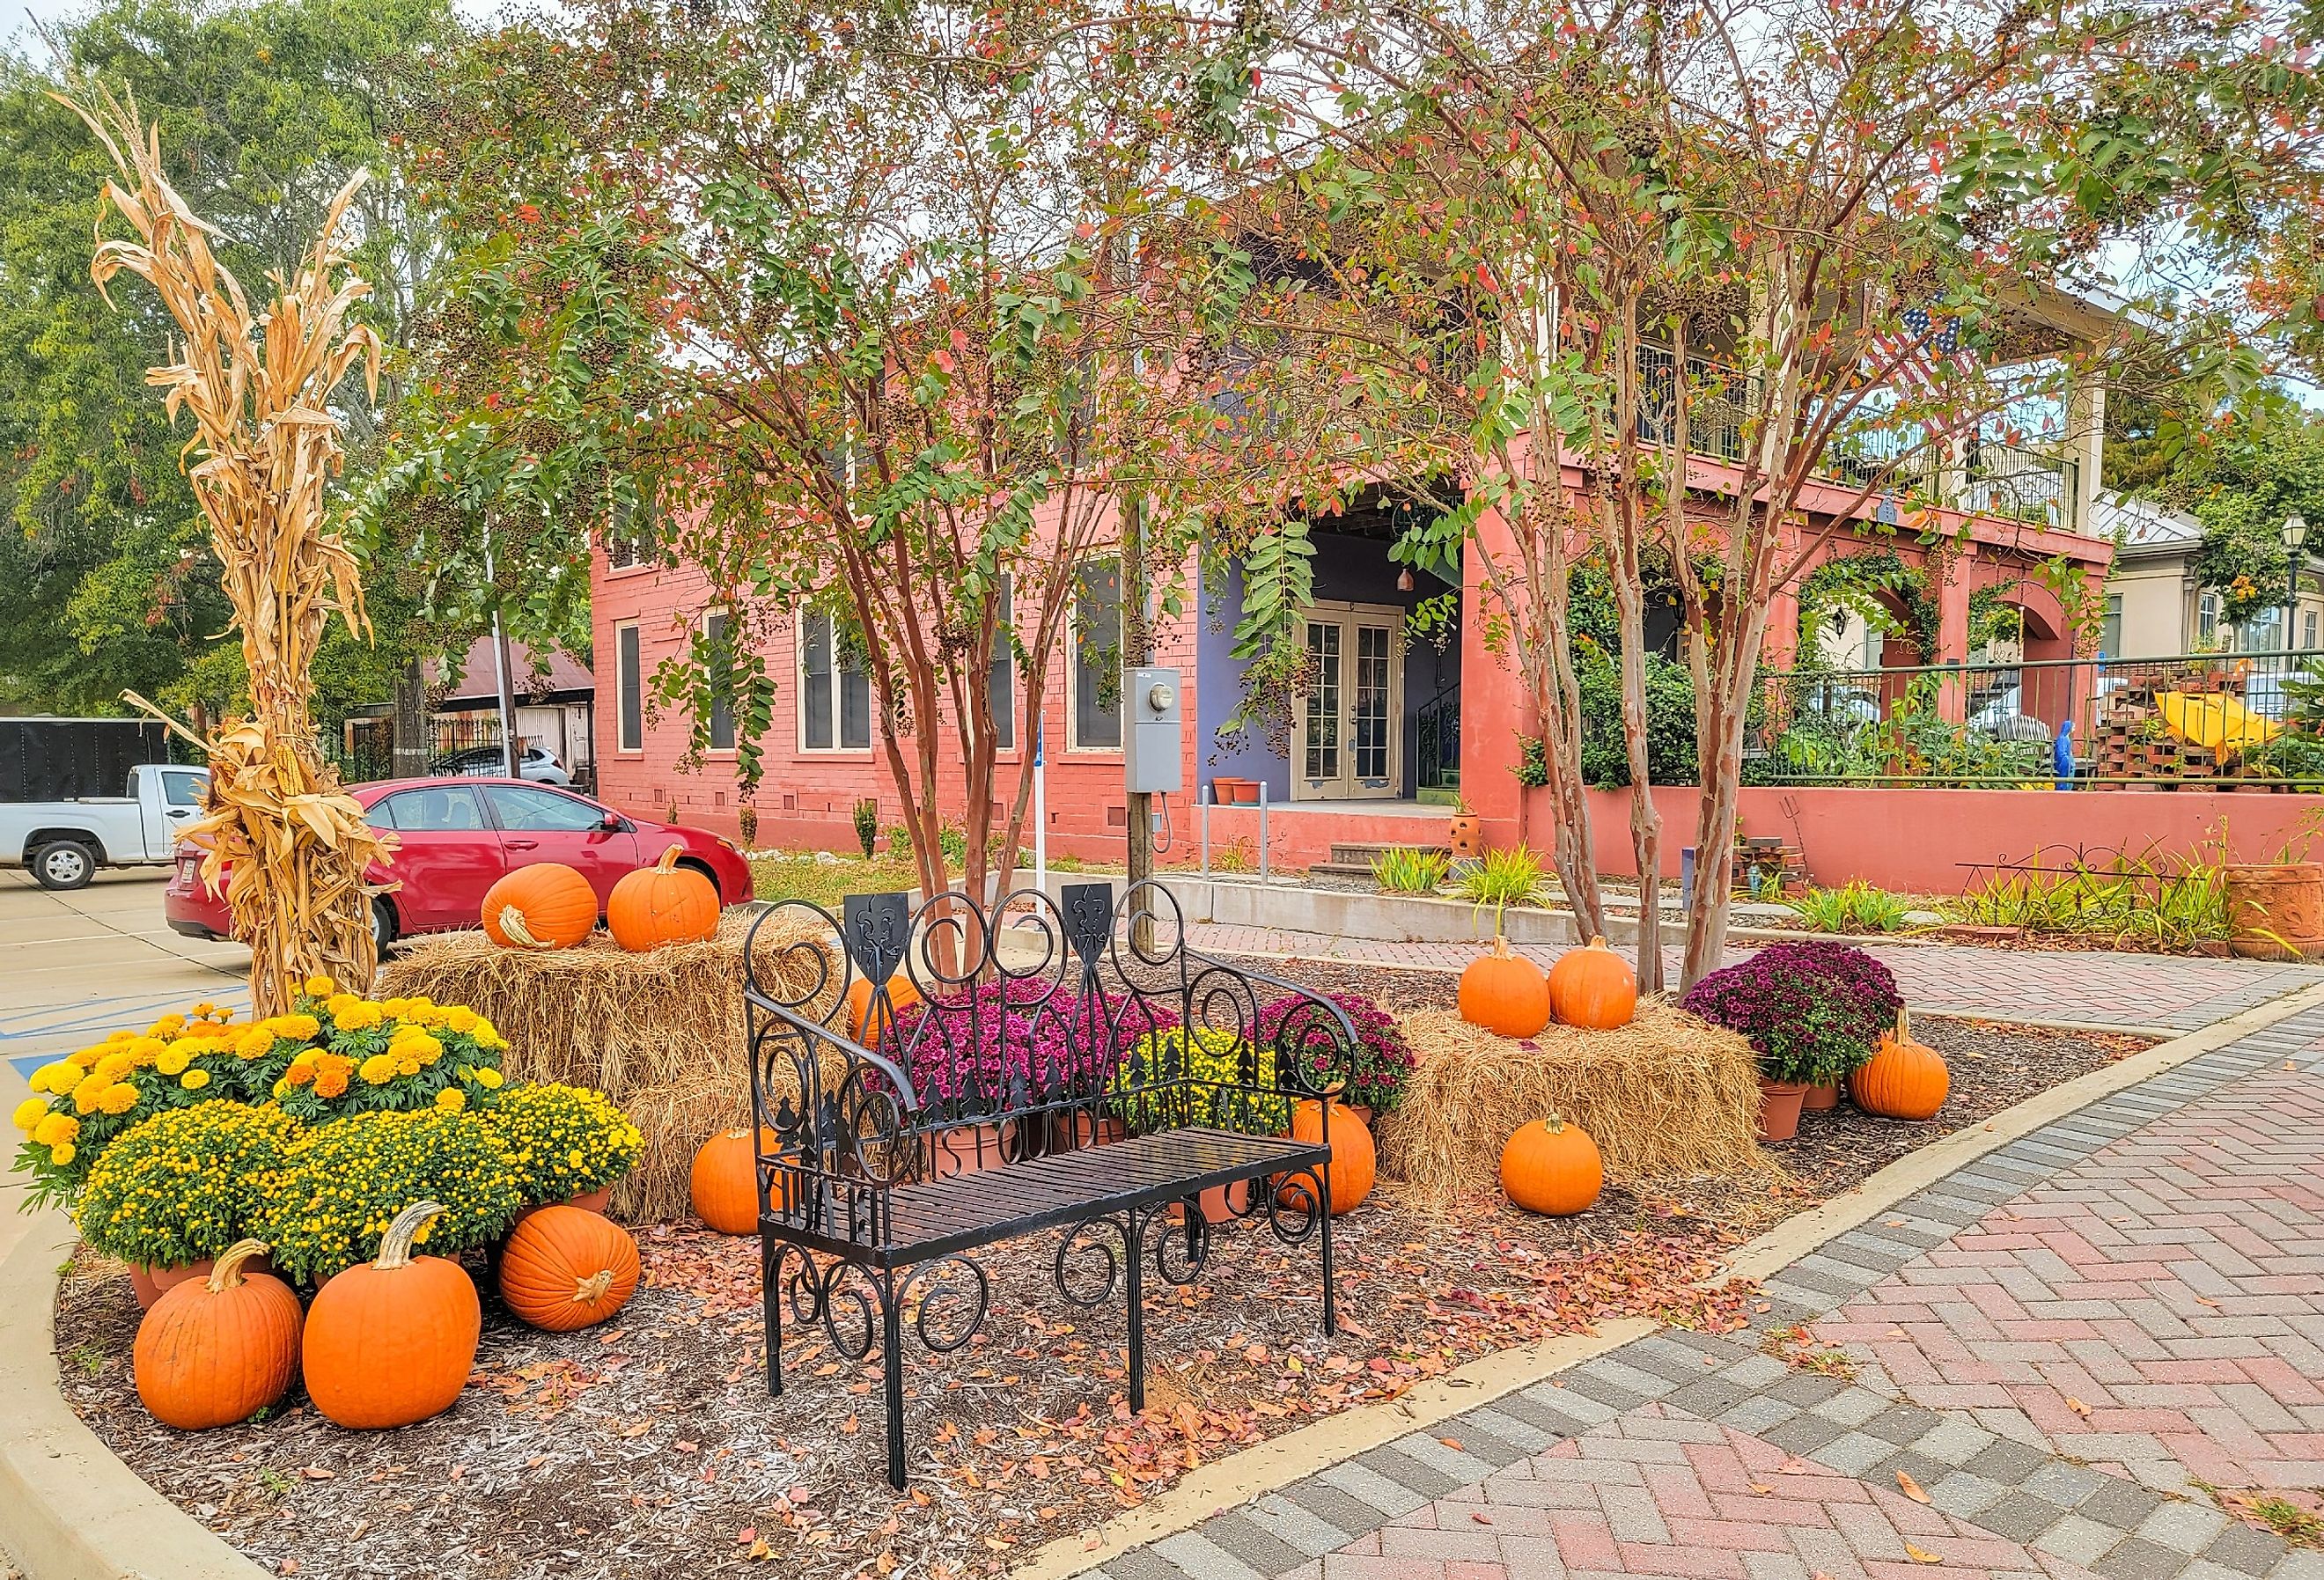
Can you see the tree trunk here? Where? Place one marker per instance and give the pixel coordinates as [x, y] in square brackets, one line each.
[1646, 820]
[408, 748]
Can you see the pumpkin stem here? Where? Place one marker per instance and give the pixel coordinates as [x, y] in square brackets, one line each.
[1597, 941]
[1904, 1024]
[512, 924]
[1556, 1123]
[395, 1245]
[1502, 950]
[225, 1272]
[588, 1291]
[668, 863]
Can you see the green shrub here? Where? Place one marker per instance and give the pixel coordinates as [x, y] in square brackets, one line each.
[1503, 878]
[1670, 719]
[1854, 907]
[867, 825]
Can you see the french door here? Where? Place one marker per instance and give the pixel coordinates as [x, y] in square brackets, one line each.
[1348, 730]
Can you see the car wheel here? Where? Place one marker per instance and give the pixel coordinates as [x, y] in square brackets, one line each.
[688, 864]
[66, 864]
[382, 926]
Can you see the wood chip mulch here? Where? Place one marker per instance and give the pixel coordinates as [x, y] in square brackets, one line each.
[650, 1447]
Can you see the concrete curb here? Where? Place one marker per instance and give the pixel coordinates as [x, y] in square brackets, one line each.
[1236, 1479]
[70, 1510]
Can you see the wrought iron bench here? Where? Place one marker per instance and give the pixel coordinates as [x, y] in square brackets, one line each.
[1062, 1069]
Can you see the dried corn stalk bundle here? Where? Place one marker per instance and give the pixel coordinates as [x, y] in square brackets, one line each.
[264, 445]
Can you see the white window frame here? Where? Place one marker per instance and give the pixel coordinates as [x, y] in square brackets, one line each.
[627, 691]
[799, 676]
[1073, 666]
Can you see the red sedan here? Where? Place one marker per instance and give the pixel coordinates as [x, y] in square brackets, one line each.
[456, 837]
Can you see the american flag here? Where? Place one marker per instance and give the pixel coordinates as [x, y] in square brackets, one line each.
[1915, 344]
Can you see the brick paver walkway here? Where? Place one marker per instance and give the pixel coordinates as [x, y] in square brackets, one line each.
[2096, 987]
[2054, 1344]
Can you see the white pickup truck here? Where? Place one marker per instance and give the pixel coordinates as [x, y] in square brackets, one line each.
[65, 842]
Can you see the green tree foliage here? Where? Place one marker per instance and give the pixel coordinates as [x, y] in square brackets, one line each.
[106, 579]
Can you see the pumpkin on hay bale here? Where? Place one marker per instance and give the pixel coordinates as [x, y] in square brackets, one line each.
[1666, 1095]
[660, 1034]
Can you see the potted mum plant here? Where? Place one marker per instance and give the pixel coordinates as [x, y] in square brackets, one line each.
[175, 1191]
[1232, 1087]
[569, 1144]
[1383, 1059]
[1812, 1011]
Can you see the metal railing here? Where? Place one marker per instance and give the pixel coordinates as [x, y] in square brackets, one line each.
[1437, 741]
[2239, 721]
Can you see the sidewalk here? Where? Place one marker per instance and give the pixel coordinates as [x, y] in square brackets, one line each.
[2096, 987]
[2056, 1344]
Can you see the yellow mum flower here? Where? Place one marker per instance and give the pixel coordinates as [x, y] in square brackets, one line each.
[173, 1060]
[113, 1066]
[194, 1080]
[30, 1112]
[118, 1099]
[451, 1099]
[62, 1154]
[378, 1070]
[319, 986]
[490, 1080]
[360, 1015]
[56, 1128]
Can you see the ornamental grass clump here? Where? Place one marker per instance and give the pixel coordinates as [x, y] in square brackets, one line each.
[1812, 1011]
[564, 1142]
[1382, 1062]
[341, 1184]
[181, 1187]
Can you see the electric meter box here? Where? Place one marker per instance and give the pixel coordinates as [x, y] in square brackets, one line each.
[1153, 748]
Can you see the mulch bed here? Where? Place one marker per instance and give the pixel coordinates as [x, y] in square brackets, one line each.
[650, 1449]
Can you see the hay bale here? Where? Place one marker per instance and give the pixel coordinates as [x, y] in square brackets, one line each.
[1666, 1095]
[660, 1033]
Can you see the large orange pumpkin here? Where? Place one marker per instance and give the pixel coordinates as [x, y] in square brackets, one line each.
[1593, 987]
[564, 1268]
[1902, 1079]
[213, 1351]
[393, 1341]
[544, 906]
[902, 996]
[664, 903]
[1552, 1167]
[1355, 1161]
[1505, 992]
[724, 1185]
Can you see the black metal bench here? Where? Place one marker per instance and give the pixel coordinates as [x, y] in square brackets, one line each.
[1037, 1084]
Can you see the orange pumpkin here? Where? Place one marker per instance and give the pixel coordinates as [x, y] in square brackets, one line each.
[1355, 1161]
[1552, 1167]
[725, 1186]
[544, 906]
[393, 1341]
[1505, 992]
[213, 1351]
[564, 1268]
[1902, 1079]
[664, 903]
[1593, 987]
[902, 996]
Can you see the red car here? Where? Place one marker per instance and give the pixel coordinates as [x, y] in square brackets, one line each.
[456, 837]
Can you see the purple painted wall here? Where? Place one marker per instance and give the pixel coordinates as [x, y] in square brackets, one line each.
[1348, 570]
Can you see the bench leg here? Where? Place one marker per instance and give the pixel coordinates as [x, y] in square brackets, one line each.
[1134, 1279]
[1330, 1306]
[892, 1368]
[771, 1297]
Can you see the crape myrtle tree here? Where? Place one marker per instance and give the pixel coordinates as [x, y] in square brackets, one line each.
[1723, 263]
[884, 319]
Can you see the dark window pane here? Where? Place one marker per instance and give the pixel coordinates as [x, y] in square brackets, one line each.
[814, 679]
[722, 685]
[632, 699]
[442, 810]
[1097, 656]
[854, 702]
[524, 806]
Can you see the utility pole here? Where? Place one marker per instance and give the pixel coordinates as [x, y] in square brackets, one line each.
[1137, 652]
[504, 682]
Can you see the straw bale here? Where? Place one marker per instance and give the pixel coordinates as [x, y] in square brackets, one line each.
[660, 1033]
[1666, 1095]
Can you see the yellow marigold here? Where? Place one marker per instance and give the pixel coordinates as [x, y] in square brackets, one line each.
[56, 1128]
[452, 1099]
[358, 1016]
[113, 1066]
[488, 1035]
[490, 1080]
[30, 1112]
[255, 1041]
[85, 1095]
[282, 1089]
[205, 1011]
[60, 1076]
[62, 1154]
[319, 986]
[173, 1060]
[298, 1028]
[167, 1026]
[118, 1099]
[194, 1080]
[378, 1070]
[407, 1066]
[146, 1049]
[415, 1044]
[122, 1036]
[460, 1018]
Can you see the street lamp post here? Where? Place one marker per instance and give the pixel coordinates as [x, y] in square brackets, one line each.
[2295, 538]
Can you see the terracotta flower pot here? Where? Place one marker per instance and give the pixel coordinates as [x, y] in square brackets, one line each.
[1220, 1204]
[971, 1149]
[151, 1283]
[1230, 792]
[1361, 1111]
[589, 1201]
[1779, 1109]
[1077, 1129]
[1821, 1099]
[1467, 834]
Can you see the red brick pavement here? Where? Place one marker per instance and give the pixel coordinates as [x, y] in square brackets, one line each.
[1659, 1493]
[2156, 1312]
